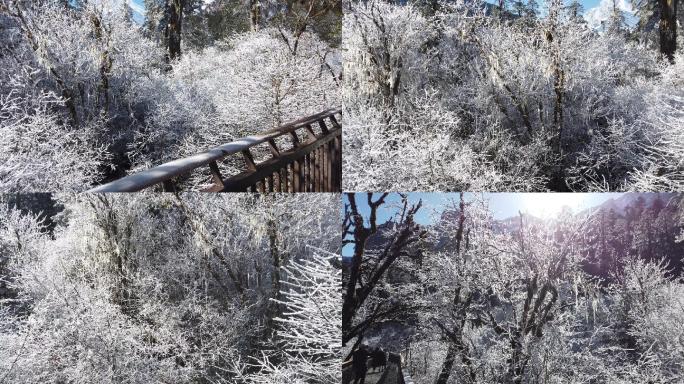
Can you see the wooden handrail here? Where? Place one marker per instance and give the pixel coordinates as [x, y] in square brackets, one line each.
[321, 155]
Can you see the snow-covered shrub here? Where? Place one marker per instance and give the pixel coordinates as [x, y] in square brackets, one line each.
[64, 92]
[150, 288]
[524, 104]
[246, 85]
[38, 152]
[653, 304]
[662, 122]
[310, 330]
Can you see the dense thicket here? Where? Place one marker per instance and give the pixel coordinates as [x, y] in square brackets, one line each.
[470, 299]
[183, 289]
[88, 95]
[459, 96]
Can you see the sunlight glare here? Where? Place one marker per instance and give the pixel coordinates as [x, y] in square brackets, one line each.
[549, 205]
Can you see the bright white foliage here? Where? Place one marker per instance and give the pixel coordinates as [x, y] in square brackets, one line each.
[85, 95]
[150, 288]
[457, 100]
[241, 87]
[310, 329]
[628, 330]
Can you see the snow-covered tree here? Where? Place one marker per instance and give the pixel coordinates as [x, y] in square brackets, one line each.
[152, 288]
[461, 100]
[115, 105]
[310, 329]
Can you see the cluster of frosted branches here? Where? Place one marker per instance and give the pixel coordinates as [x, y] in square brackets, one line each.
[309, 331]
[458, 99]
[150, 288]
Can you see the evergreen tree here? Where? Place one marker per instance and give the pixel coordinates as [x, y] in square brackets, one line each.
[532, 9]
[575, 11]
[616, 23]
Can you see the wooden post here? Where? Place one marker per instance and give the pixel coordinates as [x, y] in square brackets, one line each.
[338, 164]
[216, 174]
[333, 162]
[169, 186]
[301, 186]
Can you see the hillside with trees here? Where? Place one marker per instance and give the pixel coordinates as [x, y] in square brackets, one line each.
[169, 288]
[88, 94]
[514, 96]
[593, 297]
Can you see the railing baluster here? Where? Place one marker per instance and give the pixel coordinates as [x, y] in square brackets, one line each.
[290, 177]
[326, 170]
[307, 173]
[317, 159]
[338, 163]
[283, 179]
[324, 128]
[319, 169]
[169, 186]
[249, 160]
[216, 174]
[295, 139]
[334, 121]
[314, 171]
[300, 169]
[276, 181]
[311, 132]
[273, 148]
[331, 156]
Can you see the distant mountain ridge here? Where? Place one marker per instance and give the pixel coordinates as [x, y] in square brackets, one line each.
[619, 205]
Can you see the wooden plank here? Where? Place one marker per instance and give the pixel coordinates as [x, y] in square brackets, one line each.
[317, 172]
[276, 181]
[321, 159]
[244, 179]
[216, 176]
[334, 121]
[326, 169]
[249, 160]
[310, 169]
[312, 134]
[331, 161]
[283, 179]
[302, 174]
[338, 164]
[273, 147]
[324, 128]
[295, 176]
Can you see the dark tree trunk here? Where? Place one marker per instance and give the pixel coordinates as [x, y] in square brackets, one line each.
[274, 309]
[254, 14]
[174, 9]
[447, 365]
[668, 28]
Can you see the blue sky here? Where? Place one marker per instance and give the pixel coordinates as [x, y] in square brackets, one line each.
[502, 205]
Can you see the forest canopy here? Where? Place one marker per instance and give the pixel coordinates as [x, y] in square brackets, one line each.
[466, 296]
[153, 288]
[470, 96]
[88, 94]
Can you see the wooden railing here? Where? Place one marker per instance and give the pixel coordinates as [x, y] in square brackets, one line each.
[313, 162]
